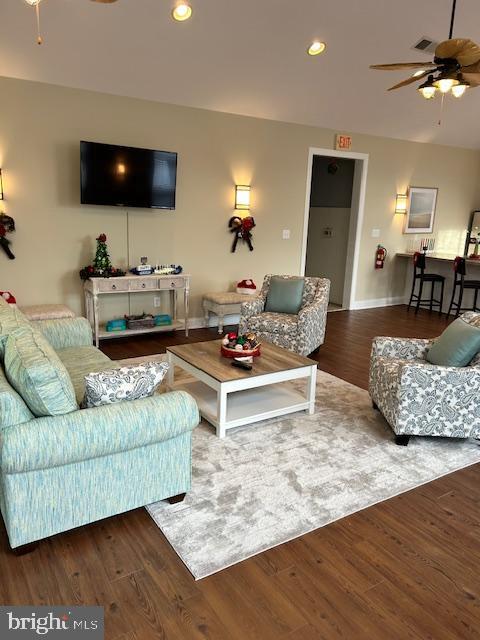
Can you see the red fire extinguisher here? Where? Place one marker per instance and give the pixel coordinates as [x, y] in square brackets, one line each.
[380, 256]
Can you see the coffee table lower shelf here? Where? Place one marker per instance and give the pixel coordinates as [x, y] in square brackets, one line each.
[245, 407]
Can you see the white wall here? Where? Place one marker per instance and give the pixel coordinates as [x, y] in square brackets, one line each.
[40, 129]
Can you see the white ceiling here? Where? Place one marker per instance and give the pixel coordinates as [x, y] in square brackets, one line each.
[248, 57]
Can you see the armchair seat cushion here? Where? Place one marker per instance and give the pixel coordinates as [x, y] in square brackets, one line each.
[101, 431]
[270, 322]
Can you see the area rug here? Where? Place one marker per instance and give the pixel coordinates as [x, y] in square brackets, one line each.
[271, 482]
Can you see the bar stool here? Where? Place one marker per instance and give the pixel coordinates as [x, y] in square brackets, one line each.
[419, 264]
[460, 268]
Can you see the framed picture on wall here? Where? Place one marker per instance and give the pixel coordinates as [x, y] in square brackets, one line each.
[421, 205]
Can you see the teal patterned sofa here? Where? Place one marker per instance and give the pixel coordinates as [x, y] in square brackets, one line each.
[63, 471]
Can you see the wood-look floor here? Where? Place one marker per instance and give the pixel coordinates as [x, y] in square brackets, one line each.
[406, 568]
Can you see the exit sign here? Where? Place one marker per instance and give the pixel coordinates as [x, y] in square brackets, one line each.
[343, 142]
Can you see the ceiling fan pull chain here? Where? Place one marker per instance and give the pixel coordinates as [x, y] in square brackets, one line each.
[441, 110]
[37, 12]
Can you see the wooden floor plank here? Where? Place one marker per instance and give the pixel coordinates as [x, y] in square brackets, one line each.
[405, 568]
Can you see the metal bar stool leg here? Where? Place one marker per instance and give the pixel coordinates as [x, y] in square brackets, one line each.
[420, 291]
[460, 300]
[442, 291]
[453, 298]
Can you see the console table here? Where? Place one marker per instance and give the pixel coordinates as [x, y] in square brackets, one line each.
[97, 287]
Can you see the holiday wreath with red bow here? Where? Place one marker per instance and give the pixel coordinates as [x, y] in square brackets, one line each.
[7, 225]
[242, 228]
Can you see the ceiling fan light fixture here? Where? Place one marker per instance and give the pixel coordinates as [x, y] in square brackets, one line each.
[445, 82]
[459, 89]
[182, 11]
[316, 48]
[428, 89]
[32, 3]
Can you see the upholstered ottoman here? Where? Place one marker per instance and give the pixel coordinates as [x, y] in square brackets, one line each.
[223, 304]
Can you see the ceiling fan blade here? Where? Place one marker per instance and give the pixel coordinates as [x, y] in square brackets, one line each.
[398, 66]
[410, 80]
[471, 74]
[105, 1]
[464, 50]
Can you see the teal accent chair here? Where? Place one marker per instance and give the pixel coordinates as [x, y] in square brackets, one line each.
[64, 471]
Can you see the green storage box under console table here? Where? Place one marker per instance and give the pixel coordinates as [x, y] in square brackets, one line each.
[95, 288]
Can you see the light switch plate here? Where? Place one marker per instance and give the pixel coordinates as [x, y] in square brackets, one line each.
[375, 233]
[286, 234]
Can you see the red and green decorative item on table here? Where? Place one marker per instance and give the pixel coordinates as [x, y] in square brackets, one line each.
[234, 346]
[102, 266]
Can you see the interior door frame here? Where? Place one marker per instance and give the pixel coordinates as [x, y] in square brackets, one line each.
[356, 217]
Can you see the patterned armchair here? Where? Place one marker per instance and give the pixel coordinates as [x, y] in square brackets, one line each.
[419, 398]
[302, 333]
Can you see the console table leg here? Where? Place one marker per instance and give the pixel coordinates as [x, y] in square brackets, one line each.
[96, 329]
[186, 297]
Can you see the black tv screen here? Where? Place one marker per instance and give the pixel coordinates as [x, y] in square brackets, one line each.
[127, 176]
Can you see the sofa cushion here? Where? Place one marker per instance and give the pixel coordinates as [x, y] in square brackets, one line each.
[267, 322]
[80, 361]
[285, 295]
[97, 432]
[457, 346]
[37, 373]
[13, 409]
[127, 383]
[11, 318]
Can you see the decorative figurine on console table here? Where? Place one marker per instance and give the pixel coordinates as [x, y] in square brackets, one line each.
[102, 266]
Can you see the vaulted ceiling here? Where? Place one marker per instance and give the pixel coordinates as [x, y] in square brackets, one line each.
[248, 57]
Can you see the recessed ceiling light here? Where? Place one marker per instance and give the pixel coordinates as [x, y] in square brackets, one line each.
[316, 47]
[182, 11]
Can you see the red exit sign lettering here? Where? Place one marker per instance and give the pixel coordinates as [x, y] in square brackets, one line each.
[343, 142]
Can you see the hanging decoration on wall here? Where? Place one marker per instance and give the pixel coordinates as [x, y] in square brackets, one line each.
[242, 230]
[7, 225]
[102, 265]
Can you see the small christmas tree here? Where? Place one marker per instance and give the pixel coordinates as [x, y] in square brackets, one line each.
[101, 263]
[102, 266]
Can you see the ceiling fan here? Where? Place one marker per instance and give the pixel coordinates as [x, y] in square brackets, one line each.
[180, 12]
[455, 67]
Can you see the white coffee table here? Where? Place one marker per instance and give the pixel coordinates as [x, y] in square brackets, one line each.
[228, 397]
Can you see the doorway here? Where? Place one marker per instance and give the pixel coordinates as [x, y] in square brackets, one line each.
[334, 205]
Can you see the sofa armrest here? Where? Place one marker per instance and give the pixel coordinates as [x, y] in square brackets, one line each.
[99, 431]
[402, 348]
[66, 332]
[252, 307]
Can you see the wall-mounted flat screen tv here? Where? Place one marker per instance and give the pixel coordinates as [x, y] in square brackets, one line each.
[127, 176]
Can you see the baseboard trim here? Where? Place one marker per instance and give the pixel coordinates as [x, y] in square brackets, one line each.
[378, 302]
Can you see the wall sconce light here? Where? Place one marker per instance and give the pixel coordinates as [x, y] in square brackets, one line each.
[1, 186]
[242, 197]
[401, 203]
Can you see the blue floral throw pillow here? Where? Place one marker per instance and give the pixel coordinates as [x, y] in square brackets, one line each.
[127, 383]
